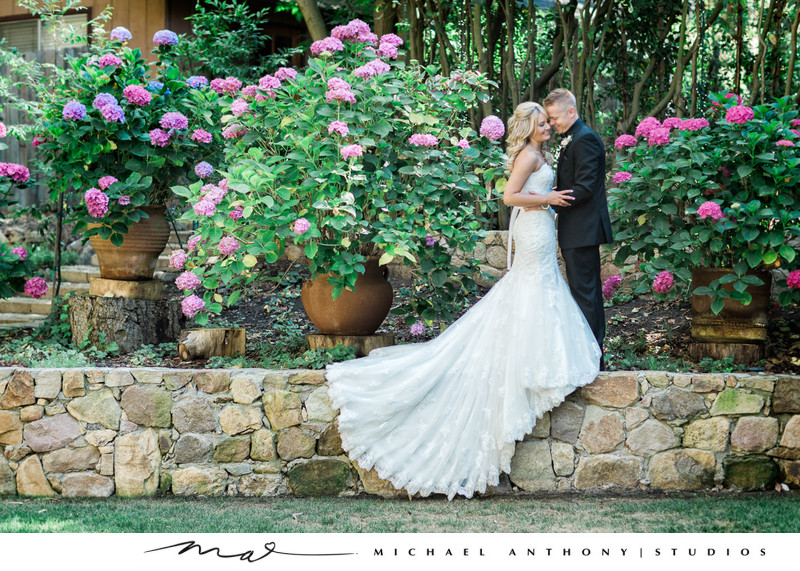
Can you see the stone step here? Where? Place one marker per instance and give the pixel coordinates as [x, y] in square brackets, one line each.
[25, 305]
[20, 320]
[79, 274]
[66, 287]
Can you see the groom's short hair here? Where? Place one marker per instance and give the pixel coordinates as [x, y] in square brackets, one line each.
[560, 97]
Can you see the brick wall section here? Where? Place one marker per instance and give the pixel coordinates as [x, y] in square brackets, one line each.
[253, 432]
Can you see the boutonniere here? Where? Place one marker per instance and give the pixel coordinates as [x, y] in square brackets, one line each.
[566, 141]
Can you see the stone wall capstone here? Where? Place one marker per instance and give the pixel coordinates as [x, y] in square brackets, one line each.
[143, 432]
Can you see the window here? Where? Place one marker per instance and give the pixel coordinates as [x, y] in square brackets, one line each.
[33, 35]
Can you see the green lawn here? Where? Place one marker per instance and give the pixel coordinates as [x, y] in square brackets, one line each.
[761, 512]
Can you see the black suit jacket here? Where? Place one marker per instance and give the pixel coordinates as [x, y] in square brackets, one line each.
[582, 168]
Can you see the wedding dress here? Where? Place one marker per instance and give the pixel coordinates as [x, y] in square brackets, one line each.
[443, 416]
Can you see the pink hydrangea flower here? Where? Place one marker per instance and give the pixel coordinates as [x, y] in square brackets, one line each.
[239, 106]
[793, 279]
[174, 120]
[785, 143]
[113, 113]
[625, 141]
[338, 83]
[710, 209]
[417, 329]
[204, 208]
[375, 67]
[177, 259]
[725, 172]
[124, 200]
[423, 140]
[622, 176]
[187, 281]
[103, 99]
[462, 144]
[338, 127]
[202, 136]
[36, 287]
[106, 181]
[109, 59]
[739, 114]
[329, 45]
[3, 130]
[658, 136]
[285, 73]
[301, 226]
[17, 173]
[236, 213]
[610, 286]
[673, 123]
[233, 131]
[492, 128]
[228, 245]
[37, 140]
[343, 33]
[269, 83]
[215, 194]
[795, 132]
[694, 124]
[387, 51]
[20, 251]
[340, 95]
[191, 305]
[392, 40]
[137, 95]
[229, 85]
[644, 128]
[193, 242]
[663, 282]
[250, 90]
[159, 138]
[352, 151]
[795, 122]
[96, 202]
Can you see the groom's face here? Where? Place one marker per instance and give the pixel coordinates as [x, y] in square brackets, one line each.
[561, 117]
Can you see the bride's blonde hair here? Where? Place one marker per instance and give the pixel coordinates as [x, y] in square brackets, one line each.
[520, 128]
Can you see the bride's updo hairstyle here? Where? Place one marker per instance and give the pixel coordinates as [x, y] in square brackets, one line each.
[520, 128]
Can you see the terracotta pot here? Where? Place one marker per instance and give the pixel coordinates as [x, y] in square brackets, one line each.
[736, 323]
[358, 312]
[137, 257]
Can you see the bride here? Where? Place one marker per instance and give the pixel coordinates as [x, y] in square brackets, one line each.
[443, 416]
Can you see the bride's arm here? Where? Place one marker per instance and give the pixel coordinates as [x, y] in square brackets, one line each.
[528, 162]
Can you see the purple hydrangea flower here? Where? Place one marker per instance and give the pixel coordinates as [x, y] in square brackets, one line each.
[124, 200]
[239, 106]
[113, 113]
[174, 120]
[329, 45]
[103, 99]
[3, 131]
[663, 282]
[202, 136]
[610, 286]
[430, 240]
[36, 287]
[120, 34]
[165, 38]
[109, 59]
[159, 138]
[197, 81]
[417, 329]
[203, 169]
[423, 140]
[74, 111]
[204, 208]
[106, 181]
[236, 213]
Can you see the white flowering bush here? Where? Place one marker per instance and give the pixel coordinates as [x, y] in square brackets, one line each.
[356, 155]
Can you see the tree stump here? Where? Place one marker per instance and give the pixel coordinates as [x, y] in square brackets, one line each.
[211, 342]
[362, 343]
[130, 323]
[743, 353]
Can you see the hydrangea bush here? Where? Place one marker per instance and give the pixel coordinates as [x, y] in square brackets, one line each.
[720, 191]
[356, 155]
[115, 138]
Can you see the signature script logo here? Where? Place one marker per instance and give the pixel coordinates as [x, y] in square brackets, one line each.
[248, 556]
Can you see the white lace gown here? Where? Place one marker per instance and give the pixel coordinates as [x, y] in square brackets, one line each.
[443, 416]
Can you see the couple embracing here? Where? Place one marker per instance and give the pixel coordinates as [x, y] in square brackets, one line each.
[444, 416]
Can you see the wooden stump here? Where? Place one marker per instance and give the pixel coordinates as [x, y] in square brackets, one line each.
[145, 289]
[362, 343]
[211, 342]
[743, 353]
[130, 323]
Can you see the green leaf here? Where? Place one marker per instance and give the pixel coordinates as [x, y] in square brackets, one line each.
[717, 305]
[201, 319]
[787, 252]
[234, 297]
[311, 250]
[439, 277]
[770, 257]
[743, 171]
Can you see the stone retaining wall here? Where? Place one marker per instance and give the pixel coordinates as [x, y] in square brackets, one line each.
[252, 432]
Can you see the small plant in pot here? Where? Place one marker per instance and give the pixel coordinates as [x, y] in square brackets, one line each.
[357, 160]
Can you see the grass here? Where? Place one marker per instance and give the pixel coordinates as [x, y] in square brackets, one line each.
[705, 513]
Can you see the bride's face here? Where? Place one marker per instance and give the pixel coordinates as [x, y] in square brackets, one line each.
[541, 130]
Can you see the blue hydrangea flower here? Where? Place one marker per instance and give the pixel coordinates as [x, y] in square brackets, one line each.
[74, 110]
[203, 169]
[156, 87]
[165, 38]
[121, 34]
[197, 81]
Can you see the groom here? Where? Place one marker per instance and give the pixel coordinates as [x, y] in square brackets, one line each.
[584, 224]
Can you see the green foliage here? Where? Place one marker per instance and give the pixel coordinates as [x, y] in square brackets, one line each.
[739, 168]
[55, 327]
[725, 365]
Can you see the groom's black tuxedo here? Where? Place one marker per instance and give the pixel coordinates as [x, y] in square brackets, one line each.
[585, 223]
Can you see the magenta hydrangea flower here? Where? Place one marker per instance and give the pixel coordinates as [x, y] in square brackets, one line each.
[424, 140]
[663, 282]
[236, 213]
[3, 130]
[658, 136]
[203, 169]
[625, 141]
[113, 113]
[391, 40]
[124, 200]
[187, 281]
[694, 124]
[204, 208]
[352, 151]
[109, 59]
[622, 176]
[197, 81]
[417, 329]
[37, 140]
[137, 95]
[74, 111]
[191, 305]
[103, 99]
[120, 34]
[285, 73]
[739, 114]
[228, 245]
[177, 259]
[165, 38]
[17, 173]
[462, 144]
[338, 127]
[329, 45]
[785, 143]
[193, 242]
[725, 172]
[610, 286]
[344, 33]
[96, 202]
[239, 106]
[106, 181]
[673, 123]
[793, 279]
[387, 51]
[36, 287]
[646, 126]
[233, 131]
[202, 136]
[174, 120]
[159, 138]
[301, 226]
[20, 251]
[492, 127]
[429, 239]
[710, 209]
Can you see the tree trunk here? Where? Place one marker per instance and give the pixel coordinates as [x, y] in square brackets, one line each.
[211, 342]
[313, 18]
[385, 17]
[792, 56]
